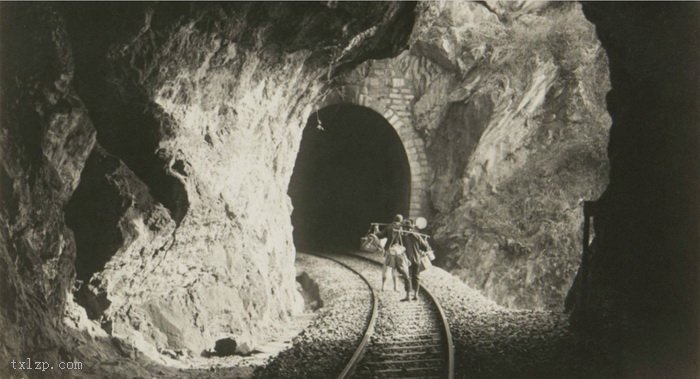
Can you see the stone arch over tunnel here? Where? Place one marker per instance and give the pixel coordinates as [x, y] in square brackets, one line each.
[352, 169]
[413, 144]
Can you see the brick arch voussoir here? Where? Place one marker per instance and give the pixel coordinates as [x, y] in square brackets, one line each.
[414, 147]
[412, 144]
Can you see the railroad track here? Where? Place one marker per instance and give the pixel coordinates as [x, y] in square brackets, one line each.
[402, 339]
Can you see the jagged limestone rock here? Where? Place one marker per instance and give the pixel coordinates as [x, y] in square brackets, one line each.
[198, 110]
[517, 141]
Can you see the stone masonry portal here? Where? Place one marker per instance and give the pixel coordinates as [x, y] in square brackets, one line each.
[389, 92]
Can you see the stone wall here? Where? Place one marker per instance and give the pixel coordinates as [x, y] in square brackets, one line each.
[387, 88]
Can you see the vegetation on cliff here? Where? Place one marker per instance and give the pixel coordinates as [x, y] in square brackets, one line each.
[520, 140]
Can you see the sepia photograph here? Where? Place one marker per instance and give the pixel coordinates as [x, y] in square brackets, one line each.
[350, 189]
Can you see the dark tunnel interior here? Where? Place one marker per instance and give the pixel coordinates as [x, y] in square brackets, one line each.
[348, 173]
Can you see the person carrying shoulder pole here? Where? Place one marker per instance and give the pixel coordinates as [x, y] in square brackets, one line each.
[394, 253]
[413, 252]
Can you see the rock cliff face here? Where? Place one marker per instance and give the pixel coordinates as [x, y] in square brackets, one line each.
[638, 286]
[46, 139]
[501, 112]
[516, 142]
[146, 152]
[164, 136]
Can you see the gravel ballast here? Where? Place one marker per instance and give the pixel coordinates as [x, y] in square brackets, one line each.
[490, 341]
[399, 324]
[326, 345]
[496, 342]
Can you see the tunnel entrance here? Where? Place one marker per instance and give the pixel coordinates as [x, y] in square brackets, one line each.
[351, 170]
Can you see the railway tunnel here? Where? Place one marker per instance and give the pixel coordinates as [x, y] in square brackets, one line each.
[351, 170]
[149, 152]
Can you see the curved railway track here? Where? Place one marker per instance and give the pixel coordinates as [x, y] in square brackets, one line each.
[402, 339]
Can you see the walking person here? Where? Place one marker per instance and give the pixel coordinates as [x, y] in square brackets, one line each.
[394, 253]
[414, 250]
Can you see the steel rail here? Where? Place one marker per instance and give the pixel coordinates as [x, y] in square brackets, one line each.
[446, 327]
[362, 346]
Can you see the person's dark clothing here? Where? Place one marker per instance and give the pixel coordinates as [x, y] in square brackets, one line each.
[413, 246]
[414, 272]
[391, 233]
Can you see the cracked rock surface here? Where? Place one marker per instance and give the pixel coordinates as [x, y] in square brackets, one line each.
[164, 136]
